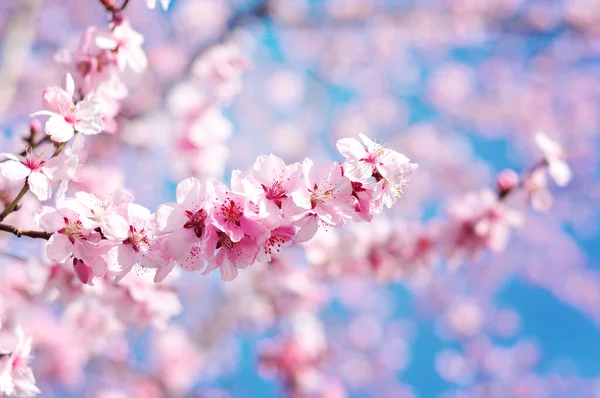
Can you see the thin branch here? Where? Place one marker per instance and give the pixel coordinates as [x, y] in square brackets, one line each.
[23, 232]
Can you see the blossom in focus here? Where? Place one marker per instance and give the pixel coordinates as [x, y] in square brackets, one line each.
[270, 186]
[71, 239]
[325, 197]
[184, 225]
[16, 377]
[67, 116]
[368, 158]
[136, 243]
[38, 172]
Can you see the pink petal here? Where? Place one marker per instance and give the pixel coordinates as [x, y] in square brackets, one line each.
[308, 230]
[59, 248]
[351, 148]
[14, 170]
[40, 185]
[59, 129]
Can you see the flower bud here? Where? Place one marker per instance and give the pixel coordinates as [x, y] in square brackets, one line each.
[507, 180]
[83, 271]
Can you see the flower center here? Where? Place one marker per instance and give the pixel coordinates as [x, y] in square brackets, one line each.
[224, 241]
[231, 212]
[33, 161]
[196, 221]
[71, 230]
[138, 240]
[319, 195]
[275, 192]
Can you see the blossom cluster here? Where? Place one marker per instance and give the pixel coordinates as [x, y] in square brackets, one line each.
[272, 206]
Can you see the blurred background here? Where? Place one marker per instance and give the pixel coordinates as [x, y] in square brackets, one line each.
[459, 86]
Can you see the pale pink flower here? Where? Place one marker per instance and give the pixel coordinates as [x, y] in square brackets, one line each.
[325, 197]
[127, 44]
[279, 238]
[232, 256]
[368, 159]
[554, 156]
[16, 377]
[232, 213]
[39, 172]
[71, 239]
[184, 225]
[94, 210]
[151, 4]
[270, 186]
[67, 116]
[136, 243]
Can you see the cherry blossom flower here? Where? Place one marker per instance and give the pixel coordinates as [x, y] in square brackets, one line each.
[67, 116]
[126, 43]
[270, 186]
[367, 159]
[136, 243]
[232, 256]
[554, 156]
[16, 377]
[185, 224]
[231, 212]
[390, 169]
[94, 211]
[71, 239]
[39, 172]
[325, 197]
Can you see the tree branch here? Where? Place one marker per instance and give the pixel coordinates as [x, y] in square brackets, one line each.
[20, 232]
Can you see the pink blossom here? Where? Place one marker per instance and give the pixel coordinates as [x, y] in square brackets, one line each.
[368, 159]
[184, 225]
[232, 213]
[136, 244]
[126, 43]
[326, 197]
[232, 256]
[390, 169]
[554, 156]
[67, 116]
[38, 172]
[71, 239]
[270, 186]
[16, 377]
